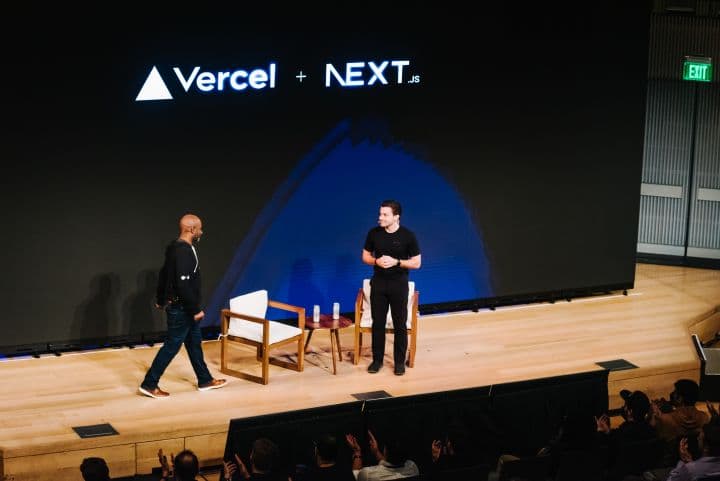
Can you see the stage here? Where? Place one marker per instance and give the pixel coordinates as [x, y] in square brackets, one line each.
[45, 398]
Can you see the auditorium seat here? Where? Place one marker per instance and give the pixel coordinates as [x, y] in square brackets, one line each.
[532, 468]
[635, 458]
[587, 465]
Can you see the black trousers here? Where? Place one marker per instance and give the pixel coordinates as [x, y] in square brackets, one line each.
[392, 293]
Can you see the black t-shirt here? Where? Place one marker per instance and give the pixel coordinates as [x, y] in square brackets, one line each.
[401, 244]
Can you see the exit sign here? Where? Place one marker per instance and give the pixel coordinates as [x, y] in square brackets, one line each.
[697, 69]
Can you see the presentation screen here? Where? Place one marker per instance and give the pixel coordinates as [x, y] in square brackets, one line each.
[513, 142]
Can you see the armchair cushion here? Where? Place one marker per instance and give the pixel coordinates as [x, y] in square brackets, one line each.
[252, 304]
[255, 304]
[254, 331]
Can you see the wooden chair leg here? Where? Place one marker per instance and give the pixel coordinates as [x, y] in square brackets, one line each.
[358, 344]
[259, 353]
[307, 341]
[223, 352]
[265, 365]
[413, 346]
[301, 354]
[337, 341]
[332, 351]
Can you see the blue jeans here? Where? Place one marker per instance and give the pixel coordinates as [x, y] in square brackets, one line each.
[182, 329]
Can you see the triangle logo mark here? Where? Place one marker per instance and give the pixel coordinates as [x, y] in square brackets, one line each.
[154, 88]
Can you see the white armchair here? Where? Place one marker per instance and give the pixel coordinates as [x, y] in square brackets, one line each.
[245, 323]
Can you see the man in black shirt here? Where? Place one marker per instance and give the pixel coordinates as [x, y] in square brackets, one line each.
[392, 250]
[179, 293]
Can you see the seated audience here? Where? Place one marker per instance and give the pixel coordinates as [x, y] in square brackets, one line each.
[392, 461]
[325, 467]
[185, 466]
[690, 467]
[682, 417]
[576, 431]
[635, 428]
[451, 451]
[263, 458]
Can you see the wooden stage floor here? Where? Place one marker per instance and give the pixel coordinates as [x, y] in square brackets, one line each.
[44, 398]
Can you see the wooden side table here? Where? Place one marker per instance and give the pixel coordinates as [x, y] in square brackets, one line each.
[333, 325]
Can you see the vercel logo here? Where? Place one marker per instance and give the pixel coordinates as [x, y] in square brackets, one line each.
[237, 80]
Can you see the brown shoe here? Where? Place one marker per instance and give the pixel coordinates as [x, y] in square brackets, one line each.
[156, 393]
[214, 384]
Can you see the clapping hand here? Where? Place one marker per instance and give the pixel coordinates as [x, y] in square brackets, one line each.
[603, 424]
[436, 450]
[352, 442]
[685, 455]
[230, 468]
[374, 446]
[712, 410]
[166, 468]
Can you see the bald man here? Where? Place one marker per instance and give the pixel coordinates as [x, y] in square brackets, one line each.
[178, 293]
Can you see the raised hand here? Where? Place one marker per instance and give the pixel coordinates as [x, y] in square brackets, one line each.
[684, 452]
[712, 409]
[352, 442]
[164, 465]
[603, 424]
[436, 449]
[229, 469]
[241, 467]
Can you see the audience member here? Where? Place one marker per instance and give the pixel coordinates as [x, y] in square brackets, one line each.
[451, 451]
[263, 458]
[691, 467]
[392, 461]
[636, 426]
[185, 466]
[684, 418]
[577, 429]
[95, 469]
[325, 467]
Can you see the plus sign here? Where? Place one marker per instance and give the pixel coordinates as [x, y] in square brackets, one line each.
[300, 76]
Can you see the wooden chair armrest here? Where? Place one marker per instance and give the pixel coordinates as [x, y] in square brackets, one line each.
[285, 307]
[227, 314]
[289, 307]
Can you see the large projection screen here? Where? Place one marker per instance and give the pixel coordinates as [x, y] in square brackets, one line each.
[513, 141]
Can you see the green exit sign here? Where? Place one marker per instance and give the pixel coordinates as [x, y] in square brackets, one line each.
[697, 69]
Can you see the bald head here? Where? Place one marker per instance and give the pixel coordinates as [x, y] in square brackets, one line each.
[190, 228]
[189, 221]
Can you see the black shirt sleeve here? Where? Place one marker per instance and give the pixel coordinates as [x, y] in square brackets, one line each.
[413, 247]
[370, 243]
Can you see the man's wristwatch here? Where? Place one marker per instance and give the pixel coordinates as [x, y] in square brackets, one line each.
[398, 264]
